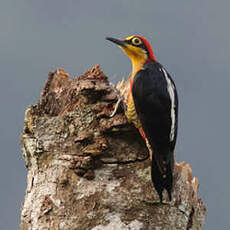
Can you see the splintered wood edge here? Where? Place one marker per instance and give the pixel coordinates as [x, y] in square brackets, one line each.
[62, 72]
[186, 172]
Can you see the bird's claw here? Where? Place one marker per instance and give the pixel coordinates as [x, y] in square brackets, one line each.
[116, 107]
[120, 99]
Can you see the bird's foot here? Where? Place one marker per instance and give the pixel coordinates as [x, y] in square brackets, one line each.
[119, 101]
[116, 107]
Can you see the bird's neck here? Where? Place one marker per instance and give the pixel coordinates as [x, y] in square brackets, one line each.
[137, 65]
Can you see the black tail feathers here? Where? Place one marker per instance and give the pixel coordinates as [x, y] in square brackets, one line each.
[162, 174]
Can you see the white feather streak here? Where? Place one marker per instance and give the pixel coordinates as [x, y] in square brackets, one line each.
[170, 88]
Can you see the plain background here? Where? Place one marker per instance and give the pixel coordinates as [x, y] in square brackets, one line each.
[190, 38]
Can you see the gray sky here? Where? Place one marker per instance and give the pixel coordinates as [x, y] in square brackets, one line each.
[190, 38]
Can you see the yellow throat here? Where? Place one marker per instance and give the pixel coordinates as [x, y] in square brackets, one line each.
[137, 56]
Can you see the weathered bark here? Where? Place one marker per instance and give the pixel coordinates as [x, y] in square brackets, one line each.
[89, 171]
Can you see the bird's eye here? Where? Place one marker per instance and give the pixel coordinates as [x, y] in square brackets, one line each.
[136, 41]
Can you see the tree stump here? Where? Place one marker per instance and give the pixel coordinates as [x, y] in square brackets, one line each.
[87, 170]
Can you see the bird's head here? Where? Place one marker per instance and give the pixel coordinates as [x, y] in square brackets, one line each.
[137, 48]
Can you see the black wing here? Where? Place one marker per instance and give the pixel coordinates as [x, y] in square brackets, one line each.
[153, 104]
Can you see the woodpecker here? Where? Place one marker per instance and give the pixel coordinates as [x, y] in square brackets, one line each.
[152, 106]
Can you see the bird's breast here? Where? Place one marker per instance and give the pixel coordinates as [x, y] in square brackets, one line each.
[131, 113]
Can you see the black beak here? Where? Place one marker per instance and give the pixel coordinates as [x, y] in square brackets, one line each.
[116, 41]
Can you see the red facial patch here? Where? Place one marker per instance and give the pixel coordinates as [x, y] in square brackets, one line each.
[149, 48]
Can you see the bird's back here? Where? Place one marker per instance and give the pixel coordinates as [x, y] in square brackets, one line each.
[153, 104]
